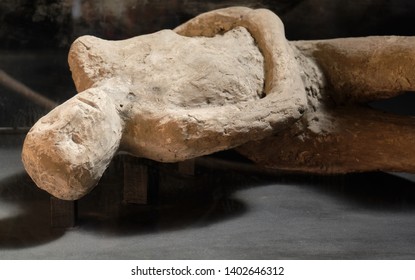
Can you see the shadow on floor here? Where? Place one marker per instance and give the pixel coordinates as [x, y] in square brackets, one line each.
[182, 203]
[377, 191]
[24, 214]
[25, 210]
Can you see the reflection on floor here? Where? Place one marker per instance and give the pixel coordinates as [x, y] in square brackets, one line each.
[218, 214]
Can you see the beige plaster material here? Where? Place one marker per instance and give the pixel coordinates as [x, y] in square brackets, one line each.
[166, 97]
[225, 79]
[339, 133]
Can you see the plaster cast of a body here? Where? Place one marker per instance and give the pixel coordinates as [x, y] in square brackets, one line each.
[122, 108]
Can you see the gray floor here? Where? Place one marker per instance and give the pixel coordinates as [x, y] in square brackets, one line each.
[216, 215]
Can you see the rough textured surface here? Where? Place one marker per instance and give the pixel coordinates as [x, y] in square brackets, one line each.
[221, 80]
[364, 69]
[167, 97]
[356, 139]
[339, 133]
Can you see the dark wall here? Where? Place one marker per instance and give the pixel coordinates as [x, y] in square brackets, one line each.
[35, 35]
[33, 24]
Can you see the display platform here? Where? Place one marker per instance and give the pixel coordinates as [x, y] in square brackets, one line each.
[224, 211]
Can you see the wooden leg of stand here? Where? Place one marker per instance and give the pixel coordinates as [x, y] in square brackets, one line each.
[187, 167]
[63, 213]
[136, 182]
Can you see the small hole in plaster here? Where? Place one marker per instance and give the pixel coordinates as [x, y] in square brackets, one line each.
[76, 139]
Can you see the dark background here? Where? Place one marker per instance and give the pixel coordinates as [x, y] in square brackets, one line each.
[35, 35]
[217, 214]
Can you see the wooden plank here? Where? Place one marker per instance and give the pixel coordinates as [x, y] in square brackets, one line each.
[136, 182]
[63, 213]
[187, 167]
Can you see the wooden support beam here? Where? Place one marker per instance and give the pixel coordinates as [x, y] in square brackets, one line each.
[13, 84]
[63, 213]
[141, 180]
[136, 182]
[187, 167]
